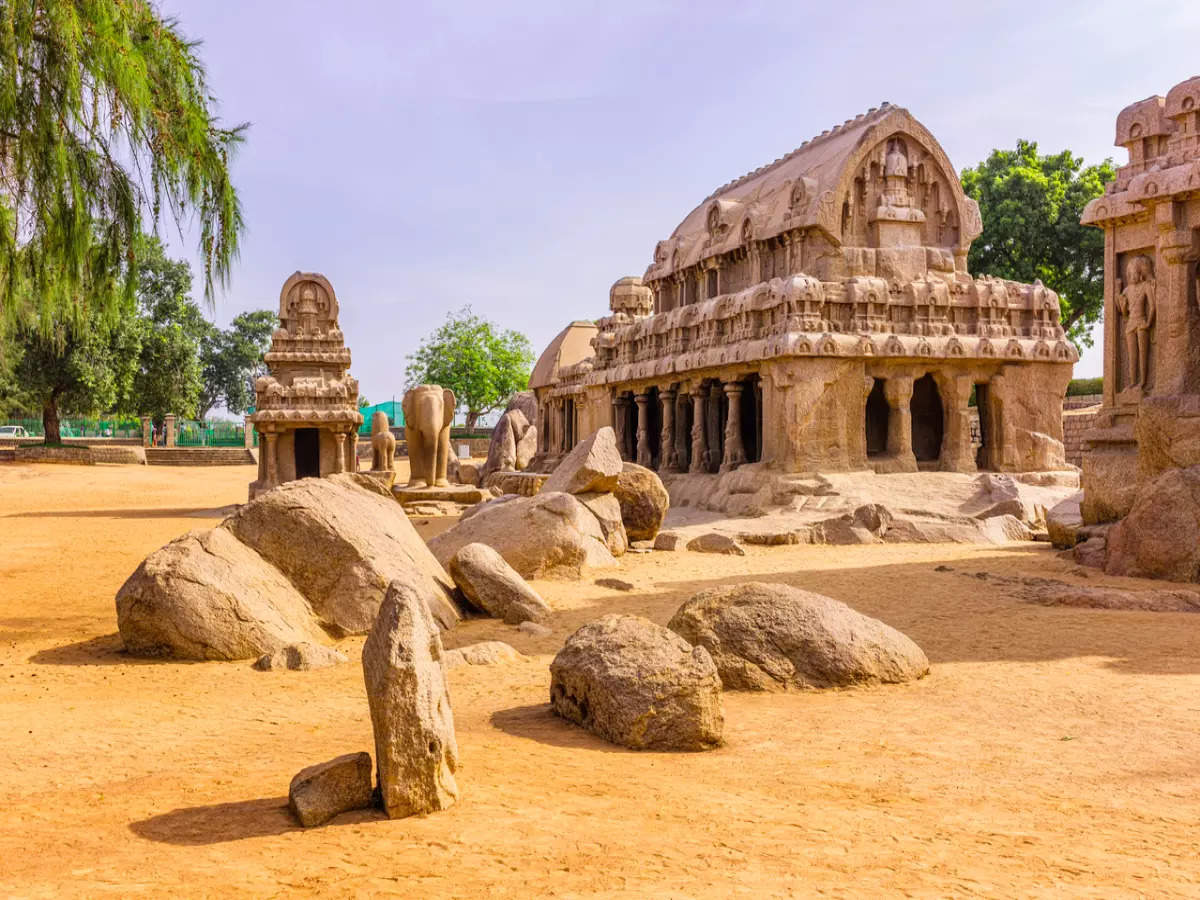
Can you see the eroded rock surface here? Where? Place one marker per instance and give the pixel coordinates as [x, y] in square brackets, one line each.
[592, 465]
[644, 501]
[636, 684]
[300, 658]
[320, 792]
[416, 751]
[715, 542]
[484, 653]
[1160, 538]
[773, 637]
[205, 595]
[493, 586]
[547, 535]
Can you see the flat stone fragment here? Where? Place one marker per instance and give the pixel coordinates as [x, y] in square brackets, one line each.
[484, 653]
[1063, 521]
[1114, 598]
[300, 658]
[669, 541]
[593, 465]
[636, 684]
[416, 752]
[535, 629]
[774, 637]
[713, 542]
[320, 792]
[491, 585]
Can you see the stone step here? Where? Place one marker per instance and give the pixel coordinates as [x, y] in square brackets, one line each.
[199, 456]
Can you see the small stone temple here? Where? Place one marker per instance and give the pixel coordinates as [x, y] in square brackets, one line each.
[817, 314]
[1150, 418]
[306, 410]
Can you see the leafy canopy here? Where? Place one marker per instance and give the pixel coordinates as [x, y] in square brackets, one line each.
[1031, 205]
[105, 116]
[483, 366]
[232, 359]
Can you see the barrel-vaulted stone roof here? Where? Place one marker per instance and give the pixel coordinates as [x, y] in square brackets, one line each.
[807, 189]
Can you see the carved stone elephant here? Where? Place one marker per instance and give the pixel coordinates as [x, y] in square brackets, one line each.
[428, 412]
[383, 443]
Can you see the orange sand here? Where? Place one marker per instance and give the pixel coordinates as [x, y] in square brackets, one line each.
[1051, 751]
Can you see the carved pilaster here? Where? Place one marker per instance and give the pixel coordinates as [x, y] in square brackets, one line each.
[735, 453]
[644, 457]
[668, 460]
[699, 430]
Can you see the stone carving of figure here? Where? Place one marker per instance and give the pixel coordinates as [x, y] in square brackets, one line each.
[308, 309]
[383, 443]
[428, 412]
[1136, 305]
[895, 163]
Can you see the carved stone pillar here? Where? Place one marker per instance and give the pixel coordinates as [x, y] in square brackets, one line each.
[1169, 291]
[956, 455]
[339, 455]
[667, 458]
[699, 430]
[643, 430]
[735, 453]
[682, 436]
[712, 427]
[898, 389]
[270, 442]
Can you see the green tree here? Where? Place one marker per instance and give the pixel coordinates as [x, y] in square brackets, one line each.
[481, 365]
[171, 326]
[105, 118]
[232, 359]
[1031, 206]
[83, 370]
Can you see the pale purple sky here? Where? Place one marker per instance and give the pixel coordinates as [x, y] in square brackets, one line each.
[521, 157]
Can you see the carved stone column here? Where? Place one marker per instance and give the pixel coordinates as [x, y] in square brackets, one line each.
[643, 430]
[712, 426]
[667, 458]
[682, 437]
[270, 442]
[898, 389]
[956, 455]
[699, 430]
[339, 455]
[735, 453]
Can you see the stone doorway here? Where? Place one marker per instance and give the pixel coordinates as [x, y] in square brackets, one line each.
[987, 428]
[308, 453]
[928, 420]
[878, 414]
[751, 418]
[654, 427]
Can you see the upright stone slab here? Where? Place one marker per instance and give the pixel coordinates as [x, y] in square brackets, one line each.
[593, 465]
[415, 748]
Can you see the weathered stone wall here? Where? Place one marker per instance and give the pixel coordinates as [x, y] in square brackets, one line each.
[80, 456]
[1076, 422]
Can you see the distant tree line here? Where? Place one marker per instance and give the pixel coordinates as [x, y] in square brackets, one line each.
[159, 356]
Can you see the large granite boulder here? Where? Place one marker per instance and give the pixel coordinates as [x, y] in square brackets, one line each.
[491, 585]
[502, 452]
[1160, 537]
[774, 637]
[607, 511]
[546, 535]
[341, 546]
[526, 402]
[636, 684]
[416, 752]
[592, 465]
[205, 595]
[644, 501]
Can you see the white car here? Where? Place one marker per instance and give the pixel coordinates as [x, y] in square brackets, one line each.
[13, 431]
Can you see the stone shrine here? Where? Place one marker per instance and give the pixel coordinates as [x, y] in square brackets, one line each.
[1150, 418]
[817, 314]
[306, 411]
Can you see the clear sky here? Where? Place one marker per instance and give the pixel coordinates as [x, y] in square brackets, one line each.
[521, 156]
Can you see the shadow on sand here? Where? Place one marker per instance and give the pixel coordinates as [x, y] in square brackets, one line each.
[199, 512]
[537, 722]
[222, 823]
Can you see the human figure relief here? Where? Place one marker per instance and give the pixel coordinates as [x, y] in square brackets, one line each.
[1136, 304]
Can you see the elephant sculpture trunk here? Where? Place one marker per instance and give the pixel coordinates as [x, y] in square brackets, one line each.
[428, 412]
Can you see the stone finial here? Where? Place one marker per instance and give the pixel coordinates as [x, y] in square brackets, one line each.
[630, 296]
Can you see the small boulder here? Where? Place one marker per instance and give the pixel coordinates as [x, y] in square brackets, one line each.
[644, 501]
[607, 511]
[714, 542]
[547, 535]
[774, 637]
[320, 792]
[593, 465]
[1064, 520]
[206, 595]
[636, 684]
[669, 541]
[416, 752]
[485, 653]
[300, 658]
[506, 436]
[491, 585]
[535, 629]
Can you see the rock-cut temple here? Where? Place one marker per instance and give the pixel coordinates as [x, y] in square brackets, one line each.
[817, 314]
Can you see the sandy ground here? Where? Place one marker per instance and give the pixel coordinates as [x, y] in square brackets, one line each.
[1050, 752]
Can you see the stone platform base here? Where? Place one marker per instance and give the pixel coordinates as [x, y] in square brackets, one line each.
[462, 494]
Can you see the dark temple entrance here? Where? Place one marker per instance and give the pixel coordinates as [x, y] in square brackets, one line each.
[308, 453]
[928, 420]
[877, 420]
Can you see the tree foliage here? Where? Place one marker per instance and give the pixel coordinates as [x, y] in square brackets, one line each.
[105, 118]
[232, 359]
[1031, 205]
[467, 354]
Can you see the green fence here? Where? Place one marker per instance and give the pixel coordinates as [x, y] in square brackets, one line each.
[212, 434]
[83, 428]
